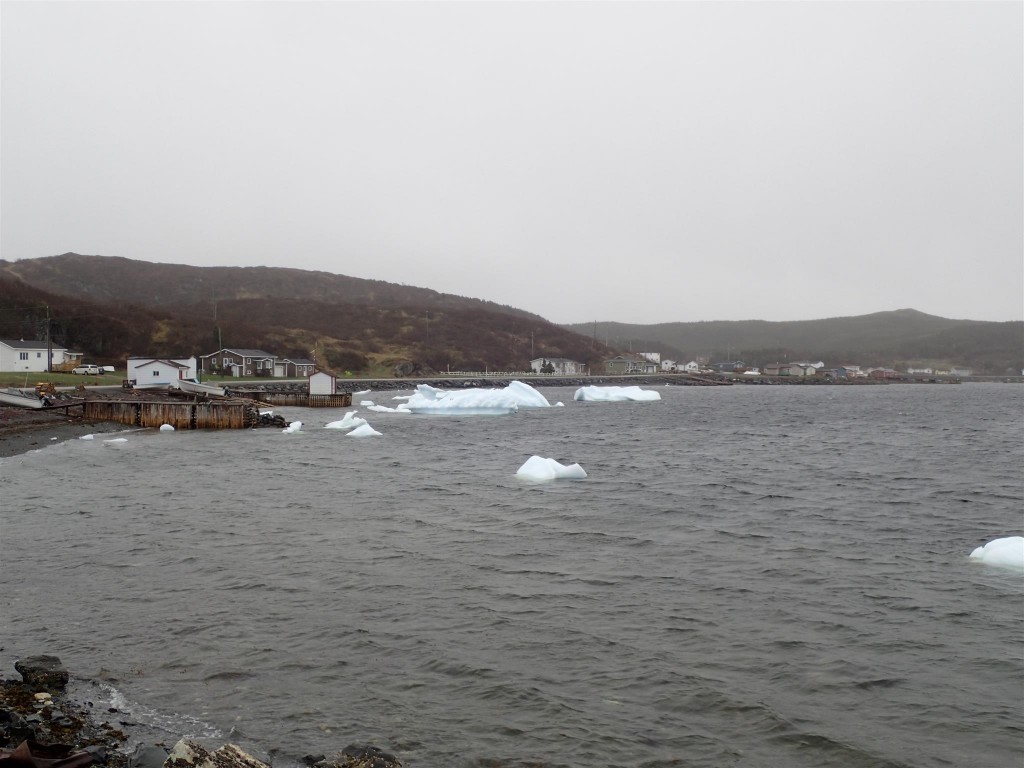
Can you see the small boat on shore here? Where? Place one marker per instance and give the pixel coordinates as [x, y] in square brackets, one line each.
[12, 396]
[196, 388]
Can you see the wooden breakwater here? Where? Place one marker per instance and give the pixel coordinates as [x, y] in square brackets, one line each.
[297, 399]
[237, 414]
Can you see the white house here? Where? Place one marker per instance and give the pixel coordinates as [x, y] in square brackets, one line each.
[323, 383]
[160, 372]
[654, 357]
[17, 355]
[668, 365]
[561, 365]
[691, 367]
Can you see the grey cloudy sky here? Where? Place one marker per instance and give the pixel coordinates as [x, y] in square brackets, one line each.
[640, 162]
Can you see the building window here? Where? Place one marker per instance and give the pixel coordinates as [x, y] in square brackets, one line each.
[23, 355]
[38, 355]
[156, 373]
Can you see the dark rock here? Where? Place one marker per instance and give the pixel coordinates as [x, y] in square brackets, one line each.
[313, 759]
[43, 672]
[147, 757]
[366, 756]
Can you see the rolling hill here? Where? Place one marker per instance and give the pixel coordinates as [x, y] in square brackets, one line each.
[112, 307]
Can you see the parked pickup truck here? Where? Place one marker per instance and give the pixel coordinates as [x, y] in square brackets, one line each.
[88, 370]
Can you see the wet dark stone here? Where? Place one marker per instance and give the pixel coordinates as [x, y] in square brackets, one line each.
[43, 672]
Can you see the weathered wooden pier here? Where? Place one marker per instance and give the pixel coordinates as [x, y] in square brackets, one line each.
[231, 414]
[297, 399]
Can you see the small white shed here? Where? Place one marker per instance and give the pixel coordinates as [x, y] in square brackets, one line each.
[323, 383]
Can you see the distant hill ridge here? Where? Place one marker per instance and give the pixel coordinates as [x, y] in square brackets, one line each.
[110, 307]
[898, 338]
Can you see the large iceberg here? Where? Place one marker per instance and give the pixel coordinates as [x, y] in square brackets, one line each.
[615, 394]
[293, 428]
[539, 470]
[1006, 553]
[474, 402]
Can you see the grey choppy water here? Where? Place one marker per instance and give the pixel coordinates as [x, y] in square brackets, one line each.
[750, 576]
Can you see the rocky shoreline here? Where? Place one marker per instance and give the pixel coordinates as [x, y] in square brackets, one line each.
[43, 726]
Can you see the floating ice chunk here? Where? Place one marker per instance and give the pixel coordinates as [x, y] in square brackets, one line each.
[1006, 553]
[401, 397]
[475, 402]
[293, 428]
[363, 392]
[366, 402]
[351, 421]
[559, 404]
[384, 409]
[615, 394]
[363, 431]
[526, 396]
[87, 437]
[266, 413]
[166, 428]
[117, 440]
[540, 470]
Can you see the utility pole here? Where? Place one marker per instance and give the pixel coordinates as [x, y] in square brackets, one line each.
[49, 343]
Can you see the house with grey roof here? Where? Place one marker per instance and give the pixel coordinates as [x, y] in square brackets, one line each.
[239, 362]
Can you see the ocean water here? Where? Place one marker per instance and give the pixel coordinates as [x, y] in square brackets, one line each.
[749, 576]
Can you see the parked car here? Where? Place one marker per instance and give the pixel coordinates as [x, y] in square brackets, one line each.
[87, 370]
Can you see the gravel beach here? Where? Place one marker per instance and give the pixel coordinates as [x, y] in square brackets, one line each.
[23, 430]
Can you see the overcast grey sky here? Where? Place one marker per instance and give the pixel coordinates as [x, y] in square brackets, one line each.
[638, 162]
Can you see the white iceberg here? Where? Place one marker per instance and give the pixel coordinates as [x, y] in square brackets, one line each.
[385, 409]
[366, 402]
[87, 437]
[1005, 553]
[615, 394]
[350, 421]
[166, 428]
[293, 428]
[474, 402]
[117, 440]
[363, 431]
[541, 470]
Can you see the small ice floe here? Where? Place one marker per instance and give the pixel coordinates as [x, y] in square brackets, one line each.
[293, 428]
[54, 438]
[166, 428]
[385, 409]
[365, 403]
[351, 421]
[1005, 553]
[559, 404]
[116, 440]
[87, 437]
[266, 413]
[363, 431]
[615, 394]
[362, 392]
[540, 470]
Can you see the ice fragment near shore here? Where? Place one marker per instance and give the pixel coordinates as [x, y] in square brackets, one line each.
[293, 428]
[87, 437]
[615, 394]
[166, 428]
[1005, 553]
[350, 421]
[363, 431]
[116, 440]
[540, 470]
